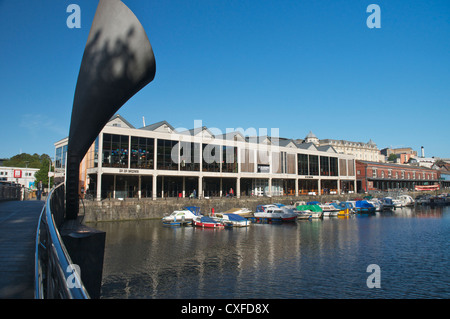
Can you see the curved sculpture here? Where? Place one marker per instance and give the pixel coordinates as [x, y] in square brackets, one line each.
[118, 61]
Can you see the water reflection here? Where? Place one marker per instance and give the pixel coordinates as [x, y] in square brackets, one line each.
[307, 259]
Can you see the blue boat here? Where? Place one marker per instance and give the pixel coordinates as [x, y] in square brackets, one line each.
[364, 207]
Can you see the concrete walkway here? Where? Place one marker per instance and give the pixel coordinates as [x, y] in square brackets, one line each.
[18, 223]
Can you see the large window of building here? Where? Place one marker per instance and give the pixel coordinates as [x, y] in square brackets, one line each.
[324, 166]
[211, 158]
[189, 156]
[115, 150]
[142, 152]
[302, 164]
[333, 166]
[313, 165]
[60, 157]
[229, 159]
[167, 155]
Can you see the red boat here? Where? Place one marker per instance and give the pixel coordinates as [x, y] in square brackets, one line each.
[207, 222]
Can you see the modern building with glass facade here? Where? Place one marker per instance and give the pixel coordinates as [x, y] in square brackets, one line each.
[158, 161]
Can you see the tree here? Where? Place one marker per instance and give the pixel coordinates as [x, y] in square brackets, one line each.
[392, 157]
[42, 174]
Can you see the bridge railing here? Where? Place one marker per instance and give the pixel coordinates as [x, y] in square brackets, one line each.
[10, 191]
[55, 275]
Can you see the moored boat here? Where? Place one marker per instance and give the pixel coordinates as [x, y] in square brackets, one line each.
[244, 212]
[273, 213]
[329, 210]
[364, 207]
[233, 220]
[314, 210]
[206, 222]
[180, 217]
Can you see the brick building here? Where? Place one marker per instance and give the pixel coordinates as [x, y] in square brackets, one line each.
[373, 176]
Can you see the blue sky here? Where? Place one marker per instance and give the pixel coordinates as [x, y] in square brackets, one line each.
[298, 66]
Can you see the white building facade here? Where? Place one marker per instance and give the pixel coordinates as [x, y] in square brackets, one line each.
[158, 161]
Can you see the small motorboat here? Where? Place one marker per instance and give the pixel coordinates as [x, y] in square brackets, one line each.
[206, 222]
[179, 218]
[234, 220]
[314, 210]
[273, 213]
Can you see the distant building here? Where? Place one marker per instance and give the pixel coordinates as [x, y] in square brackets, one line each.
[19, 175]
[403, 154]
[374, 176]
[361, 151]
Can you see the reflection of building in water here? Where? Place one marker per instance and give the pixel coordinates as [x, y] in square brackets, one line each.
[158, 161]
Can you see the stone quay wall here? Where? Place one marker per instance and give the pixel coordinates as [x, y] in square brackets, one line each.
[135, 209]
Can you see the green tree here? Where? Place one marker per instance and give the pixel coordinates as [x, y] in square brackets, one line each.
[392, 157]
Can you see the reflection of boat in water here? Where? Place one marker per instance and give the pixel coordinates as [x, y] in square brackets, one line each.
[206, 222]
[181, 217]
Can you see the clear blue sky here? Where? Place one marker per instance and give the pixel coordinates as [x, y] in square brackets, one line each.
[294, 65]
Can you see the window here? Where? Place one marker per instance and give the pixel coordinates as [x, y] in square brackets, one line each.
[333, 166]
[167, 155]
[303, 166]
[229, 159]
[189, 156]
[142, 152]
[313, 165]
[115, 150]
[211, 158]
[324, 166]
[374, 172]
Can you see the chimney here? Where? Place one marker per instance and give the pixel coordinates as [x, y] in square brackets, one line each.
[423, 152]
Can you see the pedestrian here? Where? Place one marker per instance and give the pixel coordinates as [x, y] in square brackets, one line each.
[231, 192]
[39, 191]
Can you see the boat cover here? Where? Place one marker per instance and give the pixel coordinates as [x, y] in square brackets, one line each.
[313, 208]
[194, 209]
[207, 219]
[235, 217]
[363, 204]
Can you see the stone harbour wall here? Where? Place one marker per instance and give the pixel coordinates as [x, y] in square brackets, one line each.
[134, 209]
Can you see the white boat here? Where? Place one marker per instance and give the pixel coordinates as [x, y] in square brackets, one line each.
[406, 200]
[179, 217]
[273, 213]
[233, 220]
[244, 212]
[377, 204]
[329, 210]
[313, 210]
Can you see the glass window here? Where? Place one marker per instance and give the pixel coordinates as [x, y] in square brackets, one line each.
[189, 156]
[302, 164]
[229, 159]
[324, 166]
[313, 165]
[167, 155]
[115, 150]
[333, 166]
[211, 158]
[142, 152]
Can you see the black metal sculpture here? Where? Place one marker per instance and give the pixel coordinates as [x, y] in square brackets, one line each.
[118, 61]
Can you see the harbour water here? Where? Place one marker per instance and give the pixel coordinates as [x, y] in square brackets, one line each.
[326, 258]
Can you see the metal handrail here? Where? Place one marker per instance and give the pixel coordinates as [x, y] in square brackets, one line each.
[53, 265]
